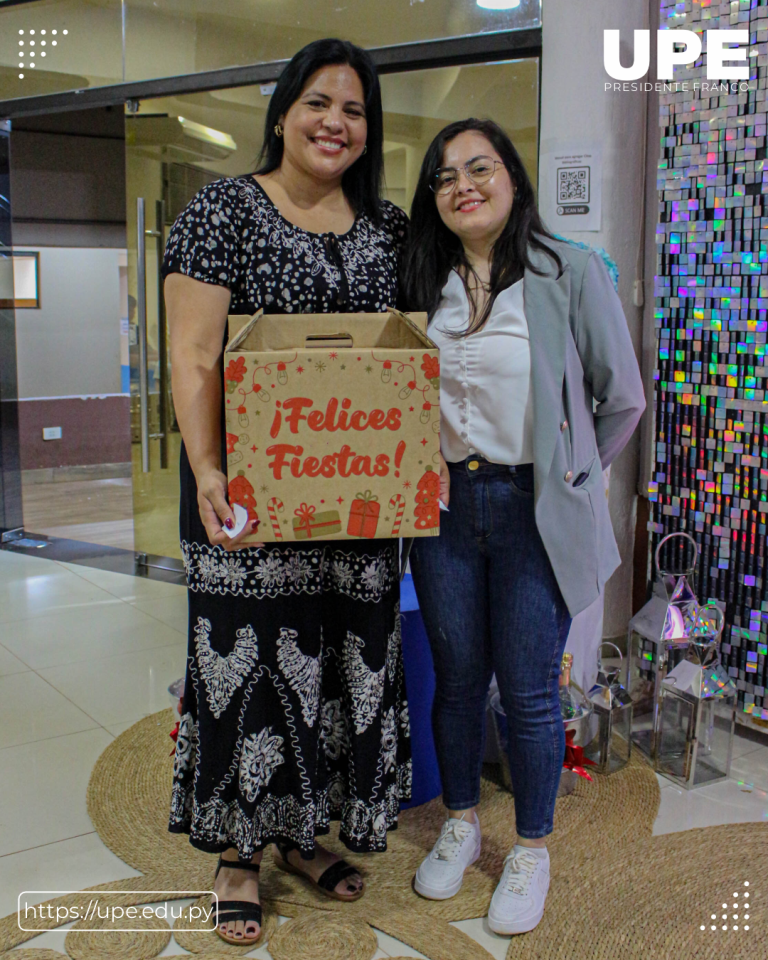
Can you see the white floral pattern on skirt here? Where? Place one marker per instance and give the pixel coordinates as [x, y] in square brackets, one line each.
[291, 720]
[265, 572]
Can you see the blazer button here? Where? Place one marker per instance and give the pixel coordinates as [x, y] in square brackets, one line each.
[473, 465]
[569, 476]
[563, 426]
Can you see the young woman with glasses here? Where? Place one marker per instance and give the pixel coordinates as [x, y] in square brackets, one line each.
[530, 332]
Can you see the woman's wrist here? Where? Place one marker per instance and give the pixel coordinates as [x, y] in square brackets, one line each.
[206, 468]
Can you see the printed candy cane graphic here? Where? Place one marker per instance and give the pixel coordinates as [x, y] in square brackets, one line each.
[399, 502]
[275, 505]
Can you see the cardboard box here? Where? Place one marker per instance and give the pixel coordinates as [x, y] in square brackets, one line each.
[333, 425]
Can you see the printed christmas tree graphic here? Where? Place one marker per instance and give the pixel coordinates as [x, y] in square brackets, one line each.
[241, 491]
[427, 510]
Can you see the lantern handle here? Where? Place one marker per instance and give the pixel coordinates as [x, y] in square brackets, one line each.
[607, 643]
[688, 570]
[711, 608]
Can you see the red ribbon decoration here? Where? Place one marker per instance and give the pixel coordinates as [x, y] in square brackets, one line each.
[306, 515]
[174, 735]
[574, 757]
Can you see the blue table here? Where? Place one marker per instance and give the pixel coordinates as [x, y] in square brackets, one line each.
[420, 686]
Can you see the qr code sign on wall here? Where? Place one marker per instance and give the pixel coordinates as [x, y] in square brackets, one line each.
[573, 185]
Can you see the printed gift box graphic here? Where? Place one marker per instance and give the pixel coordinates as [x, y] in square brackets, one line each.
[333, 425]
[364, 515]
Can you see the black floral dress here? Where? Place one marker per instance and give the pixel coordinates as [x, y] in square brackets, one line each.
[294, 710]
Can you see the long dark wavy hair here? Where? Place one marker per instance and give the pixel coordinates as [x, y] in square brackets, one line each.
[362, 181]
[434, 250]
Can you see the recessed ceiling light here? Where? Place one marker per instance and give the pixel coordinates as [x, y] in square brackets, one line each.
[207, 134]
[54, 32]
[31, 32]
[21, 32]
[65, 32]
[21, 43]
[31, 53]
[21, 76]
[42, 53]
[53, 43]
[42, 43]
[32, 65]
[498, 4]
[21, 64]
[43, 32]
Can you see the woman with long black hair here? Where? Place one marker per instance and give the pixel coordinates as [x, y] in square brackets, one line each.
[294, 709]
[530, 332]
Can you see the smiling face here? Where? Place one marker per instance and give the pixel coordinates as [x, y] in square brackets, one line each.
[325, 129]
[476, 213]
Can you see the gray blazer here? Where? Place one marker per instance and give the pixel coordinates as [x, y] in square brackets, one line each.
[580, 351]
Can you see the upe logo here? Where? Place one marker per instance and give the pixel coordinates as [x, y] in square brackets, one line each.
[669, 53]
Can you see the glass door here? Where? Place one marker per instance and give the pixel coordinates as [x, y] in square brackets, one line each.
[153, 436]
[167, 162]
[175, 145]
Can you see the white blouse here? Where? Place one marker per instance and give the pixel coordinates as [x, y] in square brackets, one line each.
[485, 379]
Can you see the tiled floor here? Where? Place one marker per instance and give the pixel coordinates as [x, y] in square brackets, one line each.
[85, 653]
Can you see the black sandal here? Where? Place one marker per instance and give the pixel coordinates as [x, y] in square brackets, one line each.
[237, 909]
[328, 881]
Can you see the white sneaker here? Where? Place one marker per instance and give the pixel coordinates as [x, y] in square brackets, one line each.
[441, 874]
[518, 902]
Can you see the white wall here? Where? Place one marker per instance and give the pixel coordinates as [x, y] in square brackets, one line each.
[574, 107]
[71, 345]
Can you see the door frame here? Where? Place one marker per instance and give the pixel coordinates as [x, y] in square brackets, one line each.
[10, 470]
[400, 58]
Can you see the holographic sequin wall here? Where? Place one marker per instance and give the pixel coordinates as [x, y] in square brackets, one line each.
[711, 317]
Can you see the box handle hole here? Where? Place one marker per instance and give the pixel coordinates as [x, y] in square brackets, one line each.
[325, 340]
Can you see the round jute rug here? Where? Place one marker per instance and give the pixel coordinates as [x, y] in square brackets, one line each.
[104, 940]
[616, 891]
[318, 936]
[33, 954]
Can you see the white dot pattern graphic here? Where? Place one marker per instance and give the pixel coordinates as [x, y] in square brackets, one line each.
[735, 926]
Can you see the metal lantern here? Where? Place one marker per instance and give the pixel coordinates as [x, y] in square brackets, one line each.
[658, 640]
[575, 710]
[698, 710]
[610, 749]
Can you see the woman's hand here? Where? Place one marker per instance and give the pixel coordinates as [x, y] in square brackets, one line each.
[197, 316]
[445, 481]
[215, 513]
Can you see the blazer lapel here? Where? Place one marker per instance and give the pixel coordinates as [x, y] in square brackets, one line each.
[547, 306]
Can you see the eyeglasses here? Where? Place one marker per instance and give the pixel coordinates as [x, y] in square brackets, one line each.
[478, 171]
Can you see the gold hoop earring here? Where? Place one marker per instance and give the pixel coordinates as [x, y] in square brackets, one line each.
[278, 130]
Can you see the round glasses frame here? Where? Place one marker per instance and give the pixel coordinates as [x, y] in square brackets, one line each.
[477, 179]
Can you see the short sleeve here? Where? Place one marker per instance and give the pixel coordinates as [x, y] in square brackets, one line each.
[204, 240]
[397, 225]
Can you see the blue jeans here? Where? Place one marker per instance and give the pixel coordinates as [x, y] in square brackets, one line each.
[490, 602]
